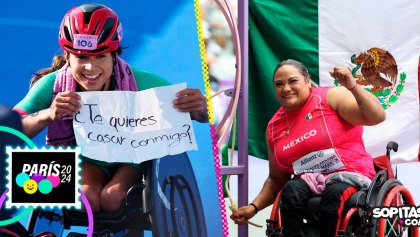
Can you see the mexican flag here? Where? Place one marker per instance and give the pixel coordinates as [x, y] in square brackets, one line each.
[369, 37]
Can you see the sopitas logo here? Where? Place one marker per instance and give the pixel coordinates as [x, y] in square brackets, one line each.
[405, 215]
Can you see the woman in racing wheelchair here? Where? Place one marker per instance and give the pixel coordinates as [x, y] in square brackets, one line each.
[96, 66]
[315, 147]
[53, 99]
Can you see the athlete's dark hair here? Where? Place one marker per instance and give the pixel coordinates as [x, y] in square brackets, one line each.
[302, 69]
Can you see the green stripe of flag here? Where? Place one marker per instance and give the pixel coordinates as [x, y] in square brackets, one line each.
[278, 30]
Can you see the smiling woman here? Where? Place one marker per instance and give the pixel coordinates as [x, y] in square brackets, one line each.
[92, 73]
[305, 151]
[292, 84]
[91, 62]
[96, 67]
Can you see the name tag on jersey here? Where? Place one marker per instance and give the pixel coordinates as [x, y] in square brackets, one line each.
[325, 161]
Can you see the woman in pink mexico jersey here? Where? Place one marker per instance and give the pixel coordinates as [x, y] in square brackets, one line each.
[315, 146]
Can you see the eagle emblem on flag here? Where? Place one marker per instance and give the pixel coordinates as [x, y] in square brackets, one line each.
[379, 73]
[378, 67]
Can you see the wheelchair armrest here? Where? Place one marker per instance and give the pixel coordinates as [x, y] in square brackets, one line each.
[134, 196]
[380, 178]
[357, 199]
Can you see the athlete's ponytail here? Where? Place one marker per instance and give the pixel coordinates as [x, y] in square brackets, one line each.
[57, 63]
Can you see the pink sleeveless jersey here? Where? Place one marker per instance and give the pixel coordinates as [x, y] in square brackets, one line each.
[315, 139]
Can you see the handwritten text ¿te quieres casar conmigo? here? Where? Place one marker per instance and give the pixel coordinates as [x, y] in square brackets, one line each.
[95, 118]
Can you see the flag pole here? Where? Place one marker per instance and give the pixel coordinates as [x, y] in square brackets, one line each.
[243, 112]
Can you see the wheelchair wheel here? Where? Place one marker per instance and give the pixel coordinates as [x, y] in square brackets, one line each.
[393, 193]
[177, 209]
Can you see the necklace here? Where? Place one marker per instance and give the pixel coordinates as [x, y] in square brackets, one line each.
[289, 125]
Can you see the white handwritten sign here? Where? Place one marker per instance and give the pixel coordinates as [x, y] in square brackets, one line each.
[125, 126]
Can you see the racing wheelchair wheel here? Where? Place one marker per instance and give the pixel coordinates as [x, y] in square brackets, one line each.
[176, 207]
[393, 194]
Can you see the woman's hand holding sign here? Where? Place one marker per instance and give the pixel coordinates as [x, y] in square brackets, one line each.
[191, 100]
[64, 103]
